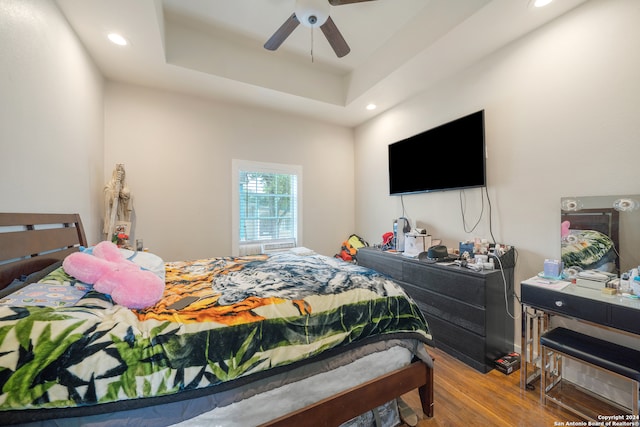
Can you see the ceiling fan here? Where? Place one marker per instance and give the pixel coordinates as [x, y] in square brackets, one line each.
[313, 14]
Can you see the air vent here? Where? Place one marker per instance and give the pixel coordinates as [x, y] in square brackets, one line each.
[279, 246]
[245, 250]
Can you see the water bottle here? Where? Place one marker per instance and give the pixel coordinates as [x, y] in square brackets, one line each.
[395, 233]
[624, 283]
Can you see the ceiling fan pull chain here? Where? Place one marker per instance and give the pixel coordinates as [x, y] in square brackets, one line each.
[311, 28]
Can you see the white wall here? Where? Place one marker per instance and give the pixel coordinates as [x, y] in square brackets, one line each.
[51, 116]
[177, 152]
[562, 119]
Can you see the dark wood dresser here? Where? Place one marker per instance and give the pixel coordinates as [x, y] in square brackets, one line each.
[468, 313]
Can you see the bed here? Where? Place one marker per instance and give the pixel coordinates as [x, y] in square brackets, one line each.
[274, 340]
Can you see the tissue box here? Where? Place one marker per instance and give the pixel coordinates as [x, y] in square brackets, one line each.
[552, 268]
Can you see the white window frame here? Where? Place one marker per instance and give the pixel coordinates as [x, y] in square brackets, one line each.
[238, 165]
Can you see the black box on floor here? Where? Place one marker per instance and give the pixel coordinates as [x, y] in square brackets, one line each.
[508, 363]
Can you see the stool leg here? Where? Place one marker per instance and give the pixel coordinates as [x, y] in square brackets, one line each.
[534, 323]
[544, 368]
[551, 364]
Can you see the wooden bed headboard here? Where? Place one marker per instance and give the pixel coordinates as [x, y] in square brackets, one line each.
[30, 242]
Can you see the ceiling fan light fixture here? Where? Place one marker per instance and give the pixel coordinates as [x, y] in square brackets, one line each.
[312, 13]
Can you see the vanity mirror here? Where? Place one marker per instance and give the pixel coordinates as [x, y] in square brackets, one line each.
[600, 233]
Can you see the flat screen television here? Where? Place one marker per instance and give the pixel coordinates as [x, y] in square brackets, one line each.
[448, 157]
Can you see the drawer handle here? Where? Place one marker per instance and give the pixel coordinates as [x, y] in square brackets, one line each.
[559, 303]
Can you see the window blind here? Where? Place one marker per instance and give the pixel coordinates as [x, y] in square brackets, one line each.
[268, 206]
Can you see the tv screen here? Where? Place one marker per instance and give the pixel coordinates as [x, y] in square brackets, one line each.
[448, 157]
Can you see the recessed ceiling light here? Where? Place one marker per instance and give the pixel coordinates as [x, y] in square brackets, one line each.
[371, 106]
[541, 3]
[117, 39]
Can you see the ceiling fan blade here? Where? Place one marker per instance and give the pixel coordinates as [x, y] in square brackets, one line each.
[282, 33]
[335, 39]
[341, 2]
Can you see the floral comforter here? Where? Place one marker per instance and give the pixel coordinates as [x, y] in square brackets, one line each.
[249, 315]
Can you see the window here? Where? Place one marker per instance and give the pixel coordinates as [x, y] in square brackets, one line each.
[266, 205]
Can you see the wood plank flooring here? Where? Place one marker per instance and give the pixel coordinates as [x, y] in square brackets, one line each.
[466, 397]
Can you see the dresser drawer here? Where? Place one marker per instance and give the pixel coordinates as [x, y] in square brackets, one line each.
[451, 310]
[391, 265]
[626, 319]
[466, 345]
[464, 287]
[568, 305]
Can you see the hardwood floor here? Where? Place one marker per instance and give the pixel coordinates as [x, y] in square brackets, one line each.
[466, 397]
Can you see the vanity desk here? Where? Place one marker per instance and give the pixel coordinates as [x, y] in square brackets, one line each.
[542, 298]
[598, 234]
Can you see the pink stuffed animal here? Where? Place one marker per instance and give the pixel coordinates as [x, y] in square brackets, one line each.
[111, 273]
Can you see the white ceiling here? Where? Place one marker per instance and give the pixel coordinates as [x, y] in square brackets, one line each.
[214, 48]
